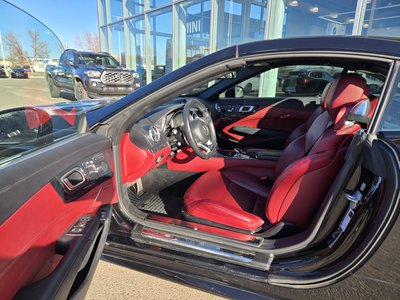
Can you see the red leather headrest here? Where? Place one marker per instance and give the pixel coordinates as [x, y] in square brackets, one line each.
[348, 89]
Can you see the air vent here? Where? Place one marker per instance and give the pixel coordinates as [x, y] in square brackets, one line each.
[154, 134]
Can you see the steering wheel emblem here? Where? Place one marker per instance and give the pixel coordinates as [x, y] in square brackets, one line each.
[205, 130]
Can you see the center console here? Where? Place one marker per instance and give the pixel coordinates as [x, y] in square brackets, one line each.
[252, 153]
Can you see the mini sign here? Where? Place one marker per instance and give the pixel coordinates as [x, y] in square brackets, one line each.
[193, 26]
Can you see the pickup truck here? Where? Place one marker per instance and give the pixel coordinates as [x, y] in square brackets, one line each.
[90, 75]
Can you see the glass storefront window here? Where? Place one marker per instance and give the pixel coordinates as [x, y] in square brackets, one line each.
[137, 54]
[116, 10]
[134, 7]
[382, 18]
[159, 3]
[102, 12]
[194, 30]
[160, 42]
[298, 81]
[118, 42]
[318, 17]
[104, 37]
[240, 22]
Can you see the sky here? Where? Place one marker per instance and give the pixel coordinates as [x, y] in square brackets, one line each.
[66, 18]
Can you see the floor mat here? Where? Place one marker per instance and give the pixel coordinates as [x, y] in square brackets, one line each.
[170, 206]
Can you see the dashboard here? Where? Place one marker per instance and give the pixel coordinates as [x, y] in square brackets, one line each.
[160, 129]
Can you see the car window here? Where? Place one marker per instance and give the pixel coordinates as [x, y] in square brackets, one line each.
[391, 119]
[30, 117]
[70, 57]
[374, 81]
[62, 59]
[289, 81]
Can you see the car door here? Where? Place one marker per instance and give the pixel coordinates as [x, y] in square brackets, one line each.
[56, 192]
[251, 116]
[69, 69]
[59, 72]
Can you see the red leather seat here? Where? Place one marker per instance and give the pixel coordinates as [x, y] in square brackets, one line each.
[303, 175]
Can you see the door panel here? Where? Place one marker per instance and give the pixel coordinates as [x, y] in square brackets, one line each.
[261, 122]
[39, 214]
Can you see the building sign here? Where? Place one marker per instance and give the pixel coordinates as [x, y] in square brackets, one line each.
[193, 25]
[335, 29]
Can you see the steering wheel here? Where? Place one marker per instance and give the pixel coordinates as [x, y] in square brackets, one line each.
[199, 128]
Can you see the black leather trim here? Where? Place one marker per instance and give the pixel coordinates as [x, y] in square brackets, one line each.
[23, 177]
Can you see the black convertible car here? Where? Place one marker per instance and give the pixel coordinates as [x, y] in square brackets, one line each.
[284, 197]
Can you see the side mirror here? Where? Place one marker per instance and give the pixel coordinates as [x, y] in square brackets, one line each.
[70, 63]
[25, 126]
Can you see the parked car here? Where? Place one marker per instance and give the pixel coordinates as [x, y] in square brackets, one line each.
[3, 73]
[19, 73]
[151, 174]
[306, 81]
[90, 75]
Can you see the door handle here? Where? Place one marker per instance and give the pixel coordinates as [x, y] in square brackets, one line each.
[75, 178]
[246, 108]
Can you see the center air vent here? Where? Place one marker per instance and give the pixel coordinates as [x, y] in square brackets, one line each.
[154, 134]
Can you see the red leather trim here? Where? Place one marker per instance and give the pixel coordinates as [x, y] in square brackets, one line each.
[218, 231]
[270, 117]
[350, 88]
[136, 162]
[28, 237]
[187, 160]
[313, 175]
[39, 118]
[235, 200]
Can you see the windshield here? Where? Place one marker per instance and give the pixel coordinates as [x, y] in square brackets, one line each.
[198, 89]
[89, 59]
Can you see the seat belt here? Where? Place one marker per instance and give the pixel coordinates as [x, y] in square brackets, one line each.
[328, 125]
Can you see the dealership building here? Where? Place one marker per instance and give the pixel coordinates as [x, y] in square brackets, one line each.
[157, 36]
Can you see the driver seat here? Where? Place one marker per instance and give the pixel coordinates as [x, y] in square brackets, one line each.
[303, 175]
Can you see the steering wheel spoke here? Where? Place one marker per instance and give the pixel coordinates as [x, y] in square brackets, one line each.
[204, 147]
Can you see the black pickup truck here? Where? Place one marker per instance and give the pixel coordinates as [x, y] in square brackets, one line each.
[90, 75]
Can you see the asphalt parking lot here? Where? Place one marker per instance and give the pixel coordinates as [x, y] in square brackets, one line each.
[21, 92]
[110, 281]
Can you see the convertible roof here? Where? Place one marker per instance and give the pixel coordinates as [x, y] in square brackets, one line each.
[370, 45]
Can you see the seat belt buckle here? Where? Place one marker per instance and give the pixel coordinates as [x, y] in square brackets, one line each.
[356, 198]
[346, 219]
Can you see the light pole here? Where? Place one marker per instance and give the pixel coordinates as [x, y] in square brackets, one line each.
[2, 50]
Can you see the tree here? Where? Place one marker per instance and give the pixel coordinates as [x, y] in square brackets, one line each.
[17, 55]
[88, 41]
[40, 49]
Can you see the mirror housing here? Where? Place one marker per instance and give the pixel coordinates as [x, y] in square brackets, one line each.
[70, 63]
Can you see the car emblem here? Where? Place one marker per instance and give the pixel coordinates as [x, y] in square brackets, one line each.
[205, 130]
